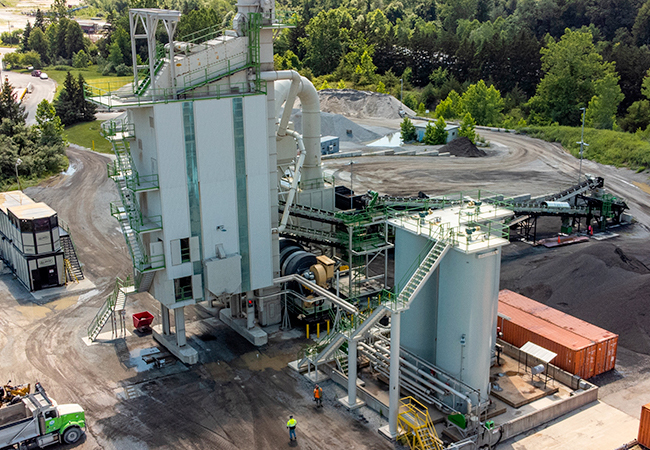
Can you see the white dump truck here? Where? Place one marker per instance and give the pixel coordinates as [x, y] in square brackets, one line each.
[37, 421]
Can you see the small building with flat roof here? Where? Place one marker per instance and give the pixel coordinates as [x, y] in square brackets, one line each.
[30, 244]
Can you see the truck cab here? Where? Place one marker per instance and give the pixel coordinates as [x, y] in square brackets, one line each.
[38, 420]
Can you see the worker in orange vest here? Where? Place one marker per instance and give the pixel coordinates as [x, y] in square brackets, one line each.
[318, 396]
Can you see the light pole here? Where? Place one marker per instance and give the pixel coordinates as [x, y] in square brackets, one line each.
[18, 162]
[351, 184]
[582, 141]
[401, 92]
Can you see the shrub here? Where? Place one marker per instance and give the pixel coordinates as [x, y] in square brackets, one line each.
[122, 70]
[615, 148]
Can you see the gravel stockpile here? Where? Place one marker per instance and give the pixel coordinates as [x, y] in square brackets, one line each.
[361, 104]
[604, 283]
[463, 147]
[337, 125]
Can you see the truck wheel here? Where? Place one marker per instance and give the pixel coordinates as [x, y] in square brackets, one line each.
[72, 435]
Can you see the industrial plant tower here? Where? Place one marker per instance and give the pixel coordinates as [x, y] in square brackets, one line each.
[197, 162]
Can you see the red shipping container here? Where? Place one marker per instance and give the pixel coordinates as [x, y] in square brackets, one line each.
[644, 426]
[583, 349]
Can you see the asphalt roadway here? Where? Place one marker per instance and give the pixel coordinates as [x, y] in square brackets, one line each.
[42, 89]
[238, 396]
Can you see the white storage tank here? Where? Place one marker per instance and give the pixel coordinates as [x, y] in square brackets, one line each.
[452, 320]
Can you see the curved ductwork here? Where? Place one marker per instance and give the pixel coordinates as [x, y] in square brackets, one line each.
[302, 88]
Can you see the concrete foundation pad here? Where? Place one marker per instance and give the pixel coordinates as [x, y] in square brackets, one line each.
[294, 365]
[255, 335]
[186, 353]
[105, 337]
[344, 401]
[383, 431]
[63, 291]
[316, 376]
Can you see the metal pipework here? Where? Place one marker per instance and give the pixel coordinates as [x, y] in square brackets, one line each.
[433, 380]
[294, 182]
[310, 105]
[345, 306]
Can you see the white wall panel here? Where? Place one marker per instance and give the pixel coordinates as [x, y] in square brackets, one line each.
[259, 201]
[168, 125]
[216, 162]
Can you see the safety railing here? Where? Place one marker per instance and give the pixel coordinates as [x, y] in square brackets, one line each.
[105, 94]
[211, 72]
[203, 35]
[112, 128]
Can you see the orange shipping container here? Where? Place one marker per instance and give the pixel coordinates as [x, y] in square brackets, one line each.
[574, 353]
[644, 426]
[606, 341]
[582, 349]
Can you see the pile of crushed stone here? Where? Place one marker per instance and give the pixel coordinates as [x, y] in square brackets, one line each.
[337, 125]
[463, 147]
[361, 104]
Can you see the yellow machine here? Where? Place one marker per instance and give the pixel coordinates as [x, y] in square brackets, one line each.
[8, 392]
[416, 426]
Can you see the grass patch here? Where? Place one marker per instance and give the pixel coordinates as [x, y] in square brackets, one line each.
[90, 74]
[615, 148]
[85, 133]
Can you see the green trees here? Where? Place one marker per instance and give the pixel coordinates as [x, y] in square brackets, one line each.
[10, 109]
[40, 147]
[483, 103]
[467, 126]
[329, 37]
[48, 124]
[572, 67]
[196, 20]
[408, 130]
[38, 43]
[601, 112]
[71, 106]
[435, 135]
[449, 108]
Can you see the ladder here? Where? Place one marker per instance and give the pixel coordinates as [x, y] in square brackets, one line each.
[416, 427]
[114, 305]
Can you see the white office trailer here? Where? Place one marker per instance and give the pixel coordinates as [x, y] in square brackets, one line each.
[198, 172]
[30, 244]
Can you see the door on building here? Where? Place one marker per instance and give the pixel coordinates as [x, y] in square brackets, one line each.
[45, 277]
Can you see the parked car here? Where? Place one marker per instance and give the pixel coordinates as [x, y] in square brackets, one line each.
[36, 73]
[44, 76]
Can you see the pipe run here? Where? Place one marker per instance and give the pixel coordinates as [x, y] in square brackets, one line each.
[294, 182]
[311, 126]
[345, 306]
[432, 379]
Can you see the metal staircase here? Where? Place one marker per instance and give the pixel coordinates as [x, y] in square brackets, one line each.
[73, 267]
[113, 309]
[416, 427]
[127, 212]
[428, 265]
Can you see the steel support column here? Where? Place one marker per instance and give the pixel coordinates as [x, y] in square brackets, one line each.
[393, 388]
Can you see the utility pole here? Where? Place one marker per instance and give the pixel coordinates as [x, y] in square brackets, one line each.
[18, 162]
[401, 92]
[582, 142]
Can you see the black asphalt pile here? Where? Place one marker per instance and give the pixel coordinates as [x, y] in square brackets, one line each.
[604, 283]
[463, 147]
